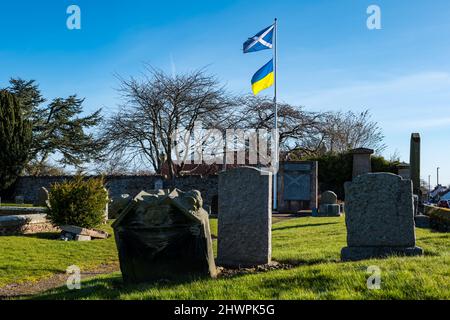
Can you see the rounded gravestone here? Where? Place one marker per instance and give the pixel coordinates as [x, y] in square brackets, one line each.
[42, 197]
[328, 197]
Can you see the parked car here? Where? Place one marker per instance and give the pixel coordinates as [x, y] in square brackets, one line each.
[443, 204]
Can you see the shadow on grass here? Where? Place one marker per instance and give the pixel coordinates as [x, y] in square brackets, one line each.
[43, 235]
[303, 226]
[110, 288]
[30, 270]
[307, 262]
[316, 283]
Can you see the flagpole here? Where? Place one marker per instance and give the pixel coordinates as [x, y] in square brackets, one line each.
[275, 184]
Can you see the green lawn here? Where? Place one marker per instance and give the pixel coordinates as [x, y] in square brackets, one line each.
[33, 257]
[312, 245]
[24, 205]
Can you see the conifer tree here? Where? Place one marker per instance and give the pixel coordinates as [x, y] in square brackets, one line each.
[15, 139]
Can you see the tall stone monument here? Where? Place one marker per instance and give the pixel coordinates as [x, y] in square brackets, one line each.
[379, 217]
[361, 161]
[245, 217]
[414, 161]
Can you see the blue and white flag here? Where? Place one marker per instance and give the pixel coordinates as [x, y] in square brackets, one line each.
[261, 41]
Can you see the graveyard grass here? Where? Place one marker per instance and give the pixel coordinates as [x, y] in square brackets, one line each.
[312, 245]
[31, 258]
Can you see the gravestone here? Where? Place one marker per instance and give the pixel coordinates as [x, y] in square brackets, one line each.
[416, 204]
[159, 184]
[361, 161]
[245, 217]
[164, 235]
[414, 161]
[328, 205]
[297, 186]
[404, 170]
[117, 204]
[106, 211]
[379, 217]
[42, 197]
[19, 199]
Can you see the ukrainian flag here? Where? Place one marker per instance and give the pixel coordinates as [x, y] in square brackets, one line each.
[263, 78]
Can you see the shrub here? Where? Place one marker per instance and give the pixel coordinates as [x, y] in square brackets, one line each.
[439, 218]
[337, 168]
[80, 202]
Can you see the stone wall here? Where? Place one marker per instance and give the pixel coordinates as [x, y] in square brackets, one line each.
[117, 185]
[25, 224]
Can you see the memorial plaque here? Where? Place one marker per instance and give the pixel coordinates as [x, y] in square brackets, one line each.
[297, 186]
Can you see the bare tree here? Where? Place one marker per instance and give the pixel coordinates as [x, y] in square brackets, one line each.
[298, 128]
[155, 107]
[345, 131]
[310, 133]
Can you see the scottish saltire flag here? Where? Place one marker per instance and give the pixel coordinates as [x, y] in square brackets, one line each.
[263, 78]
[261, 41]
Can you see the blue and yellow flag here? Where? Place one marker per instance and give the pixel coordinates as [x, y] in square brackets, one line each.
[263, 78]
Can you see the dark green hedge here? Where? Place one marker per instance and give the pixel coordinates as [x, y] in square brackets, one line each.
[336, 169]
[439, 218]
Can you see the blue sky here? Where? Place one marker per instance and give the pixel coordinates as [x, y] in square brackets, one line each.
[328, 58]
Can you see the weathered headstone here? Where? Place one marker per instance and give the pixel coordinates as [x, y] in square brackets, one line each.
[164, 235]
[414, 161]
[379, 217]
[416, 204]
[159, 184]
[245, 217]
[361, 161]
[42, 197]
[117, 204]
[106, 211]
[404, 170]
[19, 199]
[328, 205]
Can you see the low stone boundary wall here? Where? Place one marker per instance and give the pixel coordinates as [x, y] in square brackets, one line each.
[132, 185]
[439, 218]
[17, 211]
[25, 224]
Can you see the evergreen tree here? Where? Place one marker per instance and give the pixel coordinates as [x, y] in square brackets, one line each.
[58, 128]
[15, 139]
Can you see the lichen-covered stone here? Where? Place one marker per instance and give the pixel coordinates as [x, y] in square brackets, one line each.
[245, 213]
[117, 204]
[379, 213]
[328, 205]
[328, 197]
[164, 235]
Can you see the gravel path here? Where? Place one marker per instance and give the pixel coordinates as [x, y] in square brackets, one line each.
[24, 289]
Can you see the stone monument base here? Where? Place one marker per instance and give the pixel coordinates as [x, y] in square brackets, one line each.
[363, 253]
[422, 221]
[329, 210]
[238, 263]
